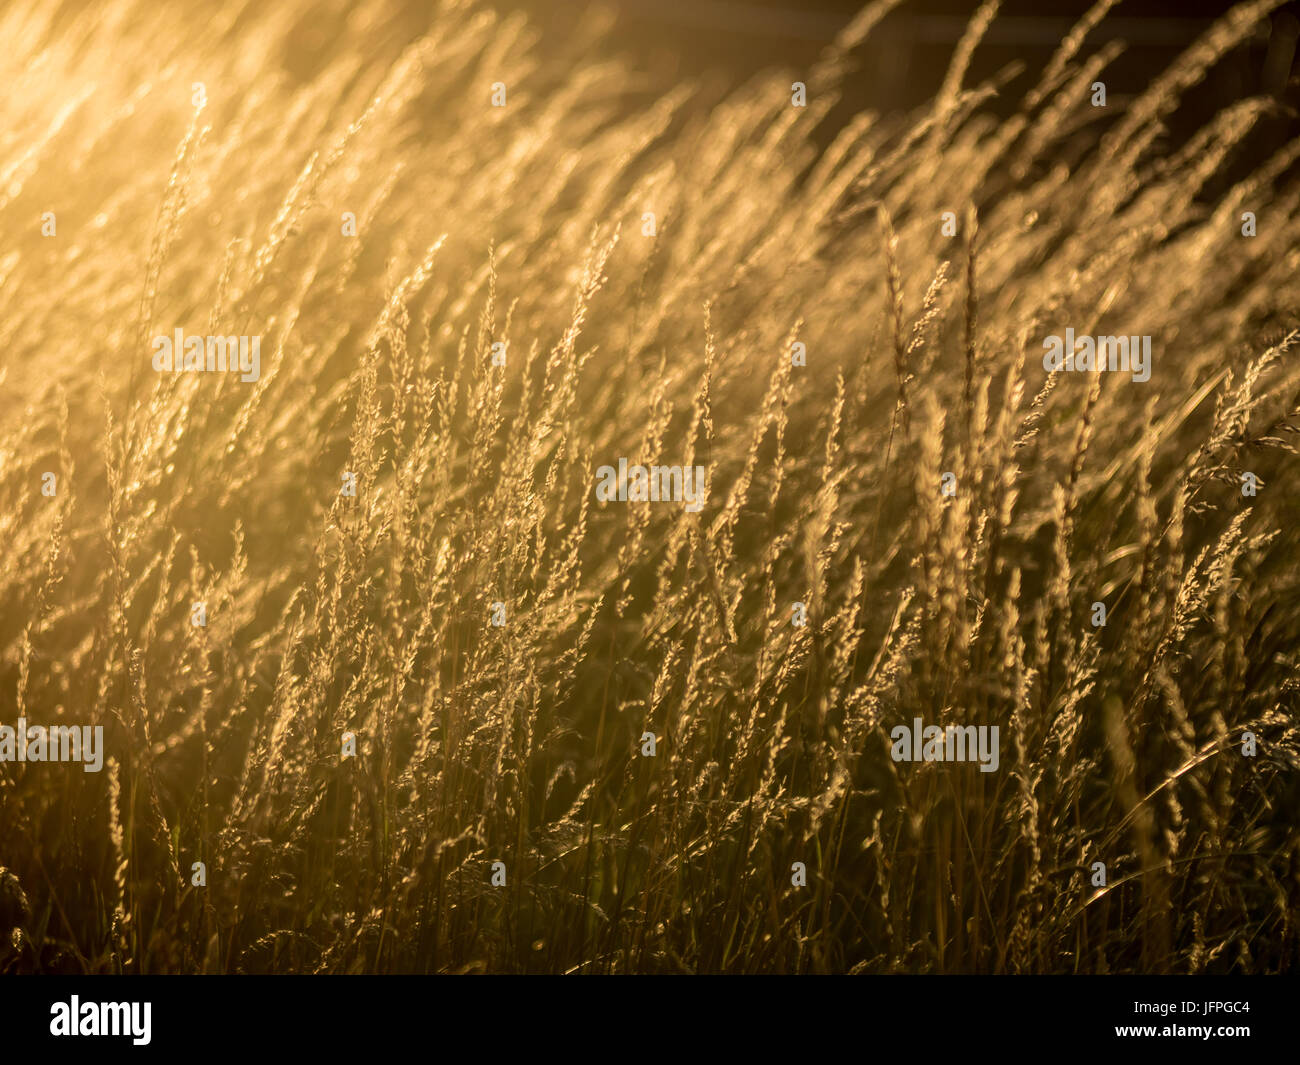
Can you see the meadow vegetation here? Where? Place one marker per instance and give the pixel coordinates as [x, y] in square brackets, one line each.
[475, 484]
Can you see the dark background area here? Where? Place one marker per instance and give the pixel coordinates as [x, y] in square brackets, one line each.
[903, 62]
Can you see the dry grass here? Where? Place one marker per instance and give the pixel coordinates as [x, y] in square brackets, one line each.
[520, 744]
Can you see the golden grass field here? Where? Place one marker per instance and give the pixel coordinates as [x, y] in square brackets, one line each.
[521, 743]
